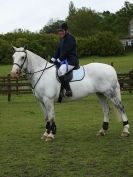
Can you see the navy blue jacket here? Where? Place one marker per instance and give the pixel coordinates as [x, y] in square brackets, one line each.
[67, 50]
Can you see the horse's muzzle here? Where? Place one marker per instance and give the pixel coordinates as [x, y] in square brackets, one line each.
[15, 74]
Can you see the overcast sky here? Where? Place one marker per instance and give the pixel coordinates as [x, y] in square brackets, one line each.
[34, 14]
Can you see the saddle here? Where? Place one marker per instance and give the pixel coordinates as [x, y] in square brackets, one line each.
[72, 76]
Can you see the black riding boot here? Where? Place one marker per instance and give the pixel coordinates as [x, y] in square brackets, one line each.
[65, 84]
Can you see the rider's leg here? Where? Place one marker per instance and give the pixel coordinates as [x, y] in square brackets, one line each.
[64, 69]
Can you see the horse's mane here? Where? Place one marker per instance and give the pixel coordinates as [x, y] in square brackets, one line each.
[35, 55]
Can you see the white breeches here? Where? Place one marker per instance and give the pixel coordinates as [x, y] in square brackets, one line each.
[64, 69]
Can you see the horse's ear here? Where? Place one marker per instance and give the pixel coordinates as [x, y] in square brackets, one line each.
[15, 48]
[25, 47]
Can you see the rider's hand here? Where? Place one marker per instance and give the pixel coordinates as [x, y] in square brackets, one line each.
[53, 60]
[58, 60]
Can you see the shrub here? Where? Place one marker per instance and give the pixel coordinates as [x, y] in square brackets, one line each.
[108, 44]
[102, 44]
[5, 51]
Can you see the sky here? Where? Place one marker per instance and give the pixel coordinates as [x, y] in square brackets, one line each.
[34, 14]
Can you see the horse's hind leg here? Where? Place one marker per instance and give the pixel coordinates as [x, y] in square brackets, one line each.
[115, 97]
[105, 107]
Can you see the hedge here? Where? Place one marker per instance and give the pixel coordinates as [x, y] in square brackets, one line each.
[102, 44]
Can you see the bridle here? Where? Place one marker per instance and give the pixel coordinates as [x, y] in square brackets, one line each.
[21, 66]
[30, 73]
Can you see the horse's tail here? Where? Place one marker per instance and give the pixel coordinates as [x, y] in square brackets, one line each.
[118, 96]
[118, 91]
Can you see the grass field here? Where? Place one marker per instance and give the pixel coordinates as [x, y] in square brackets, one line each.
[76, 151]
[122, 64]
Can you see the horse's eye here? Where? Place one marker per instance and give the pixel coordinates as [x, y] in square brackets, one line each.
[23, 58]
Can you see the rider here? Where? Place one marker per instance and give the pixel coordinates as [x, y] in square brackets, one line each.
[65, 56]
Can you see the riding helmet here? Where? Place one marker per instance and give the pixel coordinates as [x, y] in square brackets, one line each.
[63, 27]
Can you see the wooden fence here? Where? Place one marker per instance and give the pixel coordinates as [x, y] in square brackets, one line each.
[9, 86]
[126, 81]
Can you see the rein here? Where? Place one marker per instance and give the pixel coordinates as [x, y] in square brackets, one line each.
[42, 70]
[33, 87]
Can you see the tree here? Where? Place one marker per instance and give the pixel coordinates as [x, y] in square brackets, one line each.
[123, 17]
[107, 21]
[21, 42]
[72, 9]
[84, 22]
[51, 27]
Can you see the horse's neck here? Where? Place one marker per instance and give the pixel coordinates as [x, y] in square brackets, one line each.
[35, 63]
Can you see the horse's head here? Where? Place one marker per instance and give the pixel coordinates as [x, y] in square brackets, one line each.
[19, 61]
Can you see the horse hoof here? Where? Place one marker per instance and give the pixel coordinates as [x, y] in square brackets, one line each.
[50, 137]
[44, 136]
[125, 134]
[101, 133]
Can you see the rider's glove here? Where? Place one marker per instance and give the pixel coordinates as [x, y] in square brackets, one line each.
[58, 60]
[53, 60]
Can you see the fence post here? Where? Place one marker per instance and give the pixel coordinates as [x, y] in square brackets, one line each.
[130, 80]
[9, 87]
[17, 86]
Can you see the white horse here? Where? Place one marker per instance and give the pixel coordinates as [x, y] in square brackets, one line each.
[99, 78]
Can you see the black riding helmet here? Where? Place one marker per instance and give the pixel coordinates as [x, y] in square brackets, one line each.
[63, 27]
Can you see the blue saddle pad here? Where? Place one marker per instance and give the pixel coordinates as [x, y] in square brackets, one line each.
[78, 74]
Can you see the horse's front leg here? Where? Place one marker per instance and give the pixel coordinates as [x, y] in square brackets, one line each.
[44, 136]
[50, 121]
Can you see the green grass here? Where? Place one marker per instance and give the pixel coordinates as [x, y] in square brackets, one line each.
[122, 64]
[76, 151]
[5, 69]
